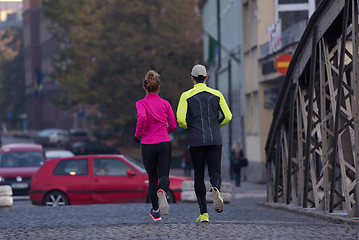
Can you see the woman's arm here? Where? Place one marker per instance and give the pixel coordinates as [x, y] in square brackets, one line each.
[141, 119]
[172, 123]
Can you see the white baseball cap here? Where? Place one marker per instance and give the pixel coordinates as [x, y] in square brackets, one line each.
[199, 70]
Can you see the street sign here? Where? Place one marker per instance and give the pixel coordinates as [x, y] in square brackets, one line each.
[282, 63]
[81, 112]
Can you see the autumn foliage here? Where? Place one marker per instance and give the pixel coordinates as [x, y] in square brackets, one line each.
[107, 46]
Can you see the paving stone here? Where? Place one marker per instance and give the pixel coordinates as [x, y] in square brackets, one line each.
[243, 218]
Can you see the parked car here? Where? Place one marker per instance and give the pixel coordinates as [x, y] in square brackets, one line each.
[18, 163]
[52, 137]
[80, 134]
[95, 179]
[58, 153]
[92, 147]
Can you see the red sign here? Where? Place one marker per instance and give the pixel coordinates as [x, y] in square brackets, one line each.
[282, 63]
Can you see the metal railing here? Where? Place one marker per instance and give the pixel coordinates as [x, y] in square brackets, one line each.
[312, 147]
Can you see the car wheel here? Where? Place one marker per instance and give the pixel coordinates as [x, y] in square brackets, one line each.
[170, 197]
[55, 198]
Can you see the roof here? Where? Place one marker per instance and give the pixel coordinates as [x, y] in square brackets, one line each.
[21, 147]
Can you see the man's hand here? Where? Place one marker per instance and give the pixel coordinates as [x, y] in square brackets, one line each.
[137, 139]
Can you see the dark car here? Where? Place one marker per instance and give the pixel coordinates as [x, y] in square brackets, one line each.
[80, 135]
[95, 179]
[18, 163]
[92, 147]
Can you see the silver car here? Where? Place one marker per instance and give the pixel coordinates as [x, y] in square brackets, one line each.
[53, 137]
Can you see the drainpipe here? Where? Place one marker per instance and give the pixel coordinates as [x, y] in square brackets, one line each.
[219, 42]
[230, 100]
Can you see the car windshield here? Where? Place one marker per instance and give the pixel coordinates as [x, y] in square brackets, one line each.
[137, 164]
[46, 132]
[21, 159]
[79, 144]
[79, 134]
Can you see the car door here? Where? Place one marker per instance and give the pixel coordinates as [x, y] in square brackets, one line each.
[111, 182]
[71, 176]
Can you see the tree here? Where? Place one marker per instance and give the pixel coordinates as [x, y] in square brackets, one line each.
[12, 95]
[109, 45]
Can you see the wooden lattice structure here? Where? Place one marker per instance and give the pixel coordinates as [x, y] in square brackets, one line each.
[313, 144]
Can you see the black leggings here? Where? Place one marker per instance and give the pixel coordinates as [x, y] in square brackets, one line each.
[200, 156]
[157, 161]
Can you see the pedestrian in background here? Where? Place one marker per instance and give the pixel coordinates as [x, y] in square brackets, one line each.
[198, 111]
[186, 162]
[155, 120]
[238, 161]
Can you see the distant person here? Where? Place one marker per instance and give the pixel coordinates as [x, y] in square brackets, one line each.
[31, 161]
[11, 161]
[3, 127]
[105, 169]
[155, 120]
[199, 111]
[238, 161]
[186, 161]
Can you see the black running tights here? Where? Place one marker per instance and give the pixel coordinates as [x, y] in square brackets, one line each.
[202, 155]
[157, 161]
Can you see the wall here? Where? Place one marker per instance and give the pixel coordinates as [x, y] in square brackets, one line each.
[231, 40]
[256, 19]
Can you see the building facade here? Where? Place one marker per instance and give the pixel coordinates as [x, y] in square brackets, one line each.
[223, 57]
[257, 32]
[271, 29]
[41, 90]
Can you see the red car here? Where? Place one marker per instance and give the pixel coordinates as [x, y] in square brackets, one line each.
[18, 163]
[95, 179]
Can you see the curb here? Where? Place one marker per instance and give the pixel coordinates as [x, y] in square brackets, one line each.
[5, 196]
[312, 212]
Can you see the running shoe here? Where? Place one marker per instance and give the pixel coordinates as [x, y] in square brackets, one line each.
[203, 218]
[163, 201]
[156, 216]
[217, 200]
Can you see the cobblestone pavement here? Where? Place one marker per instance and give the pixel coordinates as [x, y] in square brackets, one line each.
[243, 218]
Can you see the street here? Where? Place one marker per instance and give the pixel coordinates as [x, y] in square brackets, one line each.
[241, 219]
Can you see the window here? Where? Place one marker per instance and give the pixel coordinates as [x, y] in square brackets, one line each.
[288, 19]
[21, 159]
[72, 167]
[249, 19]
[110, 167]
[250, 113]
[290, 12]
[292, 1]
[256, 118]
[246, 19]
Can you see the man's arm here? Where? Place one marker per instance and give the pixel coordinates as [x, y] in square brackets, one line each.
[225, 110]
[182, 112]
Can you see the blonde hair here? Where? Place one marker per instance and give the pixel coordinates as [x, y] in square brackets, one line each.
[236, 149]
[152, 81]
